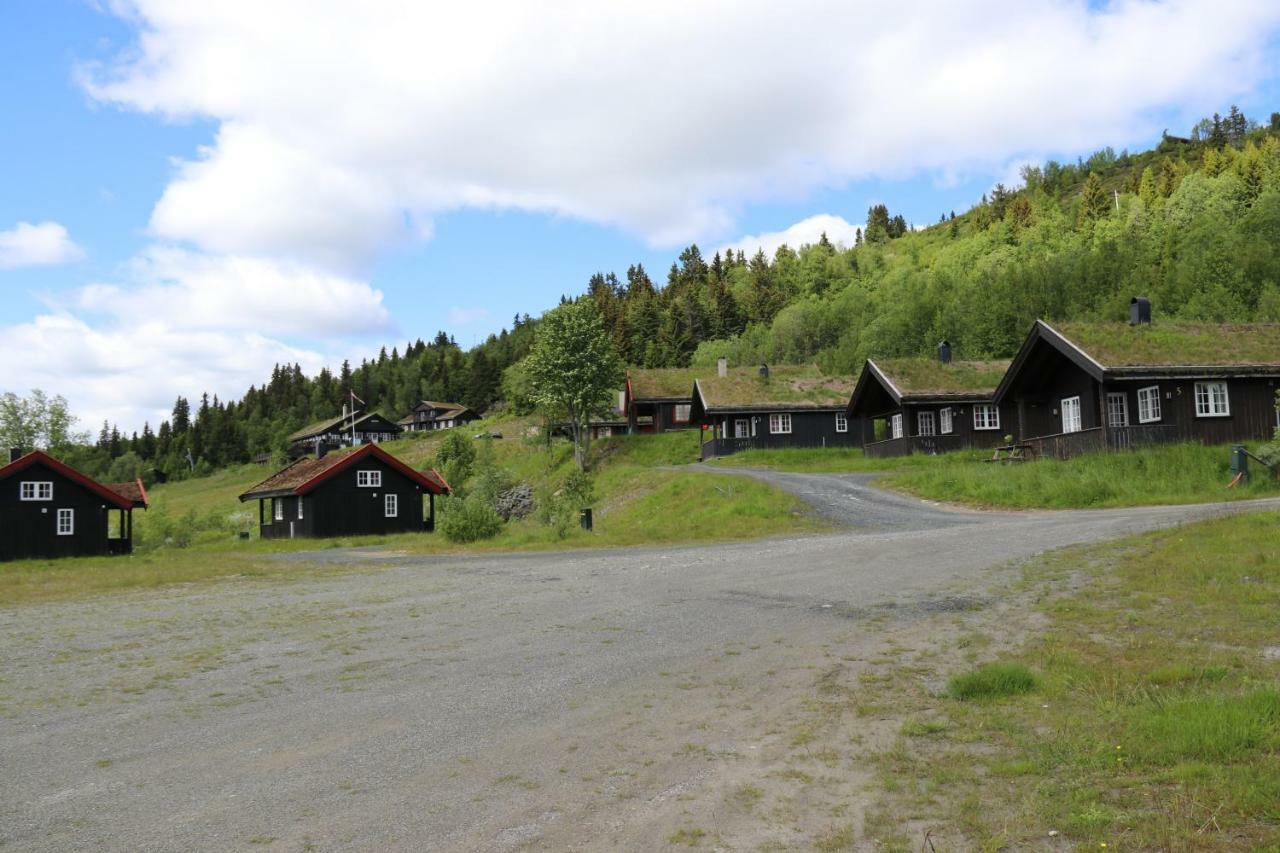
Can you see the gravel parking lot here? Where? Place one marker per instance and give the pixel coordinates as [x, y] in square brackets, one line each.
[588, 700]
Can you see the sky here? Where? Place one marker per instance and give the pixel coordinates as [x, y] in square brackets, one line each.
[192, 192]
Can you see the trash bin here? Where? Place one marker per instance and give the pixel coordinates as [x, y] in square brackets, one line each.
[585, 518]
[1239, 461]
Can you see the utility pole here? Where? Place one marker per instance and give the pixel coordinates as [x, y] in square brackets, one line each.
[1117, 193]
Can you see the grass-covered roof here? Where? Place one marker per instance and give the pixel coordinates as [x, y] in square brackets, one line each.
[788, 386]
[1117, 345]
[928, 377]
[657, 383]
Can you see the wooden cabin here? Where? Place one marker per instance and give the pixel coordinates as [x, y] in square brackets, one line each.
[48, 509]
[430, 414]
[773, 407]
[1075, 387]
[924, 405]
[346, 430]
[360, 492]
[658, 399]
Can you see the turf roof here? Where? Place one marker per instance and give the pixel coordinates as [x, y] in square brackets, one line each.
[1176, 344]
[788, 386]
[928, 377]
[656, 383]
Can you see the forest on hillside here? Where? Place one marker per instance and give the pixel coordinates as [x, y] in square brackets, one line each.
[1194, 224]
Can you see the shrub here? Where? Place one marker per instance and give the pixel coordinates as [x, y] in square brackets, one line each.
[992, 681]
[469, 519]
[456, 458]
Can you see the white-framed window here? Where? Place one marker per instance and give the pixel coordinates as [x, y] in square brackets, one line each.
[1117, 409]
[36, 490]
[895, 426]
[391, 505]
[1149, 404]
[986, 416]
[277, 509]
[1071, 414]
[1211, 400]
[681, 414]
[369, 479]
[66, 522]
[926, 424]
[780, 423]
[945, 424]
[842, 422]
[299, 508]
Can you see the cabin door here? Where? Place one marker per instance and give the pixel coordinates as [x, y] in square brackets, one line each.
[742, 428]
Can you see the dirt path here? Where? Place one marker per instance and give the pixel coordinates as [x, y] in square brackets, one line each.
[609, 700]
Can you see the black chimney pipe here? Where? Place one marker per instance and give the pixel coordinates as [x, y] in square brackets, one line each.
[1139, 311]
[15, 453]
[944, 352]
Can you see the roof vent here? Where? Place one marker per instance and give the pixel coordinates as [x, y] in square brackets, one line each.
[944, 352]
[1139, 311]
[722, 367]
[15, 453]
[764, 371]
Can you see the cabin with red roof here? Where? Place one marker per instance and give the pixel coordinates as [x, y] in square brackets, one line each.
[363, 492]
[48, 509]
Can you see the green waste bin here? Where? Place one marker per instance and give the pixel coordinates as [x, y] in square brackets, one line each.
[1239, 460]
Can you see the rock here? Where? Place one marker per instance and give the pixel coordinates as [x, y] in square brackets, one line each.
[516, 502]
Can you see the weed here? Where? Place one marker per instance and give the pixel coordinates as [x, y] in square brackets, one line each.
[992, 681]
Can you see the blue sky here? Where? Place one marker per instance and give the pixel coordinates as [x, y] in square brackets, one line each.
[191, 193]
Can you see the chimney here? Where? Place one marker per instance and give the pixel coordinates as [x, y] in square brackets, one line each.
[345, 411]
[15, 453]
[1139, 311]
[321, 449]
[764, 371]
[944, 352]
[722, 367]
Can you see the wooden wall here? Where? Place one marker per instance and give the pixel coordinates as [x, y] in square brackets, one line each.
[29, 528]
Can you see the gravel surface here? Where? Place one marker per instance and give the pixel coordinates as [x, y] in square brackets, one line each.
[552, 700]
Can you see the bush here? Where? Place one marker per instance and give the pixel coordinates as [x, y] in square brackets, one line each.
[559, 509]
[469, 519]
[992, 681]
[455, 458]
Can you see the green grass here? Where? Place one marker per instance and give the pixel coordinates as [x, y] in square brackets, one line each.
[1155, 723]
[190, 532]
[822, 460]
[992, 681]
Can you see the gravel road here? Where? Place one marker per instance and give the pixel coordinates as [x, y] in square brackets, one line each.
[555, 700]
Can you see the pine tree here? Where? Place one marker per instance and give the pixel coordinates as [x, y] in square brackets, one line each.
[1095, 202]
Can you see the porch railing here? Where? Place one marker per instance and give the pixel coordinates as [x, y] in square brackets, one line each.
[1065, 445]
[725, 446]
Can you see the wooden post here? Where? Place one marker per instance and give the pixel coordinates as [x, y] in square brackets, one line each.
[431, 513]
[261, 519]
[130, 537]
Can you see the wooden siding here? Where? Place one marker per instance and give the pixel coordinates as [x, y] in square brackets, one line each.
[339, 507]
[29, 529]
[808, 429]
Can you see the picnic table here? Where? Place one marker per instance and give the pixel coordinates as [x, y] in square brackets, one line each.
[1007, 453]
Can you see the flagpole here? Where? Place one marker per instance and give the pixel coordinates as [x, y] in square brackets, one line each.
[352, 392]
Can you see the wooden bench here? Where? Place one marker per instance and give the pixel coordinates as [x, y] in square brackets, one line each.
[1008, 453]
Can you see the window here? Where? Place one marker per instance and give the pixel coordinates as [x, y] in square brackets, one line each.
[1117, 410]
[277, 509]
[1149, 404]
[925, 423]
[391, 505]
[780, 423]
[842, 422]
[944, 421]
[681, 415]
[32, 490]
[895, 426]
[299, 509]
[986, 416]
[1071, 414]
[1211, 400]
[66, 522]
[369, 479]
[742, 428]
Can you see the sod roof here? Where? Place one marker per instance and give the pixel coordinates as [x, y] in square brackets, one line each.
[1119, 345]
[928, 377]
[664, 383]
[788, 387]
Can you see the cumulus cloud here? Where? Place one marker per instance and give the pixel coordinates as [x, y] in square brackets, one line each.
[837, 229]
[191, 290]
[45, 244]
[128, 373]
[341, 134]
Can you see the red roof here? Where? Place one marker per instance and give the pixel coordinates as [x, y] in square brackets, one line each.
[40, 457]
[307, 473]
[134, 492]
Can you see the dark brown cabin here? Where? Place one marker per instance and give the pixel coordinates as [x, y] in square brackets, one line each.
[430, 415]
[658, 399]
[355, 493]
[923, 405]
[773, 407]
[348, 429]
[1075, 387]
[48, 509]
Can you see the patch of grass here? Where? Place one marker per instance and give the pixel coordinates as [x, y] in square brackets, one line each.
[835, 839]
[689, 836]
[992, 681]
[821, 460]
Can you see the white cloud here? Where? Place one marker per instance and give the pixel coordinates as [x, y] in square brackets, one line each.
[189, 290]
[45, 244]
[130, 373]
[805, 231]
[467, 316]
[344, 132]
